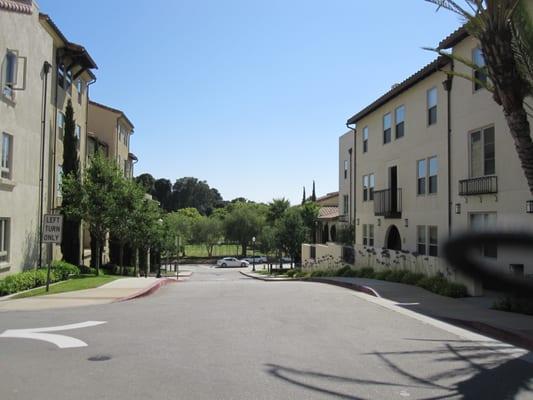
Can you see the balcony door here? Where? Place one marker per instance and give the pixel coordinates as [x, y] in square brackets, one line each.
[393, 186]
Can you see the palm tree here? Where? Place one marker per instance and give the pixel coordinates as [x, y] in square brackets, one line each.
[504, 29]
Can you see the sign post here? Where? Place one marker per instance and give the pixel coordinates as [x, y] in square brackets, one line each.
[52, 233]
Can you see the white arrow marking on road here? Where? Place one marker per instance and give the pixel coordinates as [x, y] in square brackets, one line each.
[61, 341]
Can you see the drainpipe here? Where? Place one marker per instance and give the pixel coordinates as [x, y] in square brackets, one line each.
[46, 70]
[352, 182]
[448, 88]
[86, 155]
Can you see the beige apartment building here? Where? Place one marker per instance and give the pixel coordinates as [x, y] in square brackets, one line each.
[71, 78]
[432, 158]
[25, 89]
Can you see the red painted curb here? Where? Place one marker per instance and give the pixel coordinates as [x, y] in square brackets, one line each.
[148, 290]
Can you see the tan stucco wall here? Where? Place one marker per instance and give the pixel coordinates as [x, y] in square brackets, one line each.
[420, 142]
[346, 143]
[19, 201]
[473, 110]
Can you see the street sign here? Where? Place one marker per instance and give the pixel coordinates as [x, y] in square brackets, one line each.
[52, 228]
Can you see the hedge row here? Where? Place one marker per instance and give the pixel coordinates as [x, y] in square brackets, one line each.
[436, 284]
[60, 271]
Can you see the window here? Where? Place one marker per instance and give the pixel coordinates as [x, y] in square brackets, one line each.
[432, 178]
[432, 105]
[421, 177]
[483, 222]
[79, 89]
[4, 240]
[482, 153]
[60, 124]
[387, 126]
[77, 132]
[433, 241]
[368, 235]
[372, 183]
[421, 239]
[126, 137]
[6, 164]
[399, 118]
[368, 187]
[59, 179]
[345, 204]
[61, 75]
[68, 81]
[365, 139]
[9, 73]
[480, 74]
[365, 188]
[345, 169]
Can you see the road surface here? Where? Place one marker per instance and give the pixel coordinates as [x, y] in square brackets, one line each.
[221, 335]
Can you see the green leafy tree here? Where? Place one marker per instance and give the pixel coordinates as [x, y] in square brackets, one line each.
[147, 181]
[313, 194]
[292, 232]
[309, 212]
[128, 198]
[504, 29]
[181, 223]
[70, 244]
[94, 199]
[208, 232]
[243, 222]
[304, 199]
[276, 209]
[268, 240]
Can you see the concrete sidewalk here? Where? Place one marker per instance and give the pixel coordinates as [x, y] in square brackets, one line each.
[467, 313]
[118, 290]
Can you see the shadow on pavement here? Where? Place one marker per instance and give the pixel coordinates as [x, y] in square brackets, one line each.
[456, 369]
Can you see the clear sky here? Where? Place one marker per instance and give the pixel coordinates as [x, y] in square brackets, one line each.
[249, 95]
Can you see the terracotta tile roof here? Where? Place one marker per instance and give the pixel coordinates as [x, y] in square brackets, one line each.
[20, 6]
[113, 110]
[453, 38]
[328, 213]
[429, 69]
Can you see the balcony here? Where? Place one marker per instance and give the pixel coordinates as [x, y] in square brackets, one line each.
[388, 203]
[477, 186]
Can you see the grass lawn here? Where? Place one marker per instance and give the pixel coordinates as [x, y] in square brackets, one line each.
[77, 283]
[198, 250]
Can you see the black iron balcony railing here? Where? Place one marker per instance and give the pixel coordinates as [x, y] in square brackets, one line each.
[388, 203]
[480, 185]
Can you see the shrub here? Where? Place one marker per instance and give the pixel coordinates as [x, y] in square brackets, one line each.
[63, 270]
[382, 275]
[366, 273]
[396, 276]
[412, 278]
[85, 270]
[438, 284]
[515, 304]
[25, 280]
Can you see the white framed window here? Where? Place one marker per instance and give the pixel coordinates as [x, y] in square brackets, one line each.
[80, 89]
[480, 74]
[6, 159]
[9, 73]
[59, 180]
[432, 175]
[345, 204]
[371, 235]
[365, 139]
[60, 125]
[77, 133]
[4, 239]
[421, 239]
[481, 222]
[432, 106]
[421, 177]
[387, 128]
[399, 120]
[482, 152]
[433, 241]
[345, 169]
[368, 187]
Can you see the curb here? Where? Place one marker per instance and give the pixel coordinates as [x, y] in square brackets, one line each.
[148, 290]
[352, 286]
[260, 278]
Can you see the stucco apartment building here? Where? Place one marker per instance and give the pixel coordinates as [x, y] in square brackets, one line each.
[434, 158]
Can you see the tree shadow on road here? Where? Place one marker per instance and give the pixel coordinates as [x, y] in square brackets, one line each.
[459, 369]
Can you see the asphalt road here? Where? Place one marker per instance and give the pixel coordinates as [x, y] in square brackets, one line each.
[221, 335]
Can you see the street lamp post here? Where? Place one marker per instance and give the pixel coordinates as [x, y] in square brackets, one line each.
[253, 254]
[160, 222]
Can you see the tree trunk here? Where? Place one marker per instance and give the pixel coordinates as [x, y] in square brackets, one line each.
[121, 257]
[97, 259]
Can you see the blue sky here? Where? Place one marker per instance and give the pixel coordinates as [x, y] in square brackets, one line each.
[249, 95]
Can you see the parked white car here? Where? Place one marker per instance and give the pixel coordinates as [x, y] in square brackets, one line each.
[232, 262]
[257, 259]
